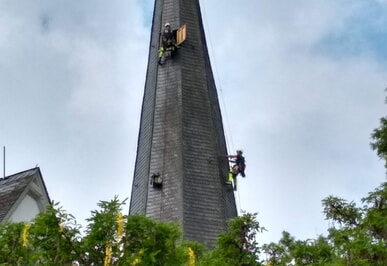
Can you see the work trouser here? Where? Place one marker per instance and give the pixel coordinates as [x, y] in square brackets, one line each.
[166, 48]
[233, 174]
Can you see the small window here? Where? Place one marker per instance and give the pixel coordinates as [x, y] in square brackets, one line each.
[156, 181]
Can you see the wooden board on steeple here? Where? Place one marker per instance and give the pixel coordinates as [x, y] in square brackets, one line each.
[181, 34]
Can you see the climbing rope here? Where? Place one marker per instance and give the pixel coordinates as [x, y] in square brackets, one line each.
[218, 81]
[228, 133]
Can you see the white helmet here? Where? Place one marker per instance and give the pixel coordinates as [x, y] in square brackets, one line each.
[167, 24]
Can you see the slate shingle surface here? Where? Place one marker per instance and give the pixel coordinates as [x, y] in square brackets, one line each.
[181, 134]
[12, 187]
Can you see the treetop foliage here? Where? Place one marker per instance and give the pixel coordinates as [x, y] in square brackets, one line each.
[54, 238]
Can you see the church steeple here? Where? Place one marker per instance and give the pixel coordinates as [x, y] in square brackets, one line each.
[181, 133]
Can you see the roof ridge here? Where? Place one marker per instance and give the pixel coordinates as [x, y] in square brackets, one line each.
[33, 170]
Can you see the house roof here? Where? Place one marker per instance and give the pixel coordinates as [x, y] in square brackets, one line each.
[13, 186]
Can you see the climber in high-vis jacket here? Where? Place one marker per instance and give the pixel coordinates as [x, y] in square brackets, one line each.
[168, 41]
[239, 161]
[238, 168]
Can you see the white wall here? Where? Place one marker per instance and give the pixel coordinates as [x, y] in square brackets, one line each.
[26, 211]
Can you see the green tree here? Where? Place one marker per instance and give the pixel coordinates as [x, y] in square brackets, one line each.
[116, 239]
[52, 235]
[309, 252]
[149, 242]
[48, 240]
[11, 251]
[358, 234]
[379, 139]
[280, 254]
[102, 240]
[237, 246]
[54, 238]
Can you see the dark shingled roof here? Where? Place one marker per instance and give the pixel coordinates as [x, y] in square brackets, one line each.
[12, 187]
[181, 133]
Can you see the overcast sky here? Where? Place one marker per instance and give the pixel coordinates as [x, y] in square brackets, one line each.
[301, 85]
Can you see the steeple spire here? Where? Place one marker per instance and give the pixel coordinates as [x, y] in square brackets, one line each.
[181, 133]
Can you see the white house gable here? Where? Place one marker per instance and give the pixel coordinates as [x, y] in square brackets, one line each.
[26, 210]
[22, 196]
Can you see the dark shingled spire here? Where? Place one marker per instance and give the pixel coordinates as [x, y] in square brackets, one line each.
[181, 133]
